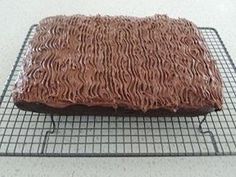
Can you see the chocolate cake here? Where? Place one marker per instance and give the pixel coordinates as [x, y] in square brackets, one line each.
[118, 65]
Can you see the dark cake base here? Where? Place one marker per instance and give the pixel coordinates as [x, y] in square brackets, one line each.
[109, 111]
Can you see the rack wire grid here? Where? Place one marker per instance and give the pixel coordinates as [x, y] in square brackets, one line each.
[24, 133]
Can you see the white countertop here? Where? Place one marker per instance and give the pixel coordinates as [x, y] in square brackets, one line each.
[15, 19]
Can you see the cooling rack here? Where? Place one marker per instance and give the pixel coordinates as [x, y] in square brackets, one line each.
[25, 133]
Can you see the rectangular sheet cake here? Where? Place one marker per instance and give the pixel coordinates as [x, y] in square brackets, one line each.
[102, 64]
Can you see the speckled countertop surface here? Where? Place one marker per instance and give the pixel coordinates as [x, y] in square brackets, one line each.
[15, 19]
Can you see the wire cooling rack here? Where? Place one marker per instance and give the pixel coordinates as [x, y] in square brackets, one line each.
[32, 134]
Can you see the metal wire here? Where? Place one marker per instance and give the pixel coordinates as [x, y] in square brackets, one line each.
[48, 133]
[25, 133]
[208, 132]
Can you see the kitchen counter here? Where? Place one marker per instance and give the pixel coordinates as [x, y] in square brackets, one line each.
[15, 19]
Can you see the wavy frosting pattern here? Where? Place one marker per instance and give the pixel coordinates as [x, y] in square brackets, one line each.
[137, 63]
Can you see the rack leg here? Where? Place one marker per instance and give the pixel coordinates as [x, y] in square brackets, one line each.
[210, 133]
[48, 132]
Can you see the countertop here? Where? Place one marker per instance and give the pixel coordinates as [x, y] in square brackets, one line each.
[15, 19]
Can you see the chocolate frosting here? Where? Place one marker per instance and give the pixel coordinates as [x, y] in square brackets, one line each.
[137, 63]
